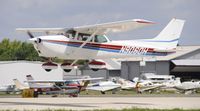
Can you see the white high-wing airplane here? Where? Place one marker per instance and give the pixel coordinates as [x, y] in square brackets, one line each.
[90, 43]
[125, 84]
[7, 89]
[147, 86]
[103, 86]
[188, 87]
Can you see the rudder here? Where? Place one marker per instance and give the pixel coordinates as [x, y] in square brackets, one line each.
[171, 33]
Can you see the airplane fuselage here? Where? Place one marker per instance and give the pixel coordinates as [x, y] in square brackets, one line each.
[65, 48]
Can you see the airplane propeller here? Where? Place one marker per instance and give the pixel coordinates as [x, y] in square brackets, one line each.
[36, 40]
[30, 34]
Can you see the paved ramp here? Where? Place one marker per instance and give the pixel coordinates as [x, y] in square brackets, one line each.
[87, 103]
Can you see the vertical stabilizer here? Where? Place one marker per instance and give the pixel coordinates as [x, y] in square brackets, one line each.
[170, 35]
[19, 85]
[29, 77]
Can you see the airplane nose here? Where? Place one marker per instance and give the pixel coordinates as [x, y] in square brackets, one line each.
[35, 40]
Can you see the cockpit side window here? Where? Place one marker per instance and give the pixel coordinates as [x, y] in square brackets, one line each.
[100, 39]
[84, 37]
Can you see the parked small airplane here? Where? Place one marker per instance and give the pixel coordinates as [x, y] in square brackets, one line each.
[90, 43]
[147, 86]
[188, 87]
[103, 86]
[154, 82]
[70, 87]
[155, 78]
[7, 88]
[138, 85]
[19, 85]
[125, 84]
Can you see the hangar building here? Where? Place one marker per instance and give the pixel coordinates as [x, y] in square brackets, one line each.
[10, 70]
[185, 63]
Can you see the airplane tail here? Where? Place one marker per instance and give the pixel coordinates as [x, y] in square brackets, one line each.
[177, 81]
[18, 84]
[29, 77]
[84, 84]
[168, 38]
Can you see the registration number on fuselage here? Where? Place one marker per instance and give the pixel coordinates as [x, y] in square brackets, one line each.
[133, 50]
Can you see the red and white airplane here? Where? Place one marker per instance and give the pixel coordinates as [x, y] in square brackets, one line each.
[90, 43]
[70, 87]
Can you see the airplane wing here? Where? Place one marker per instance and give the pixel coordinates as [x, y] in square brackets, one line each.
[88, 79]
[104, 28]
[150, 88]
[62, 81]
[45, 30]
[102, 88]
[119, 26]
[45, 81]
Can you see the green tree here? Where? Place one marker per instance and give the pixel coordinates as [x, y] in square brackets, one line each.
[17, 50]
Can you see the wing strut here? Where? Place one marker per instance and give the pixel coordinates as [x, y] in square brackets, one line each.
[82, 45]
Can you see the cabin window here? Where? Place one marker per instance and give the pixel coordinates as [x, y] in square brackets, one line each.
[71, 82]
[100, 39]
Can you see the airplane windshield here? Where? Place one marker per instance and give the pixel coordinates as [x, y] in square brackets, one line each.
[97, 38]
[84, 37]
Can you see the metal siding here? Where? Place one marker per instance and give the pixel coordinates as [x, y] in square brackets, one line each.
[124, 70]
[162, 67]
[192, 55]
[71, 74]
[99, 73]
[114, 73]
[149, 67]
[134, 70]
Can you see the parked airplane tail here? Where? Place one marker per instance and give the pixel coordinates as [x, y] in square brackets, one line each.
[29, 77]
[178, 81]
[168, 38]
[19, 85]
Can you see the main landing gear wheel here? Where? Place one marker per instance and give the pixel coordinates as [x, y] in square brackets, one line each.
[67, 67]
[67, 70]
[48, 70]
[96, 65]
[95, 69]
[102, 92]
[48, 66]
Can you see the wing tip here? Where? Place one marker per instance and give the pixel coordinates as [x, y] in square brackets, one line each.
[144, 21]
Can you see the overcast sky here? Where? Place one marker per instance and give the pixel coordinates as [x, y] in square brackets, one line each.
[69, 13]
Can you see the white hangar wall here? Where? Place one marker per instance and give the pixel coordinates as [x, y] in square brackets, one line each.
[10, 70]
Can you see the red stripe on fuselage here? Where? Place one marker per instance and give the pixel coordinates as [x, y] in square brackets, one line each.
[98, 45]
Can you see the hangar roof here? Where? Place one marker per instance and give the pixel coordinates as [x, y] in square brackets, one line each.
[186, 62]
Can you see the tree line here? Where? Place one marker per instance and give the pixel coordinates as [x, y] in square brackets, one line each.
[17, 50]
